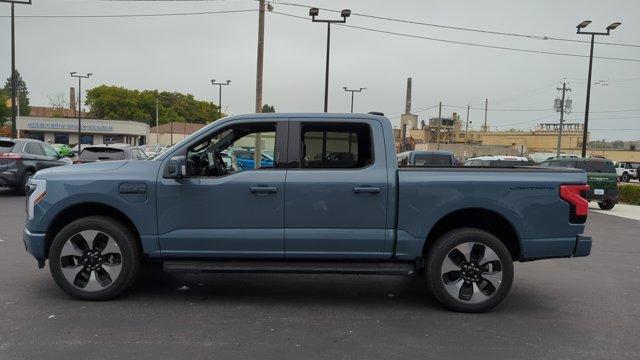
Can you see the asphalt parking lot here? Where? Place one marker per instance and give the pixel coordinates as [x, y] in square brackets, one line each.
[586, 308]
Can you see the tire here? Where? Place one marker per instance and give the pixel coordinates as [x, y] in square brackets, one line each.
[625, 177]
[21, 189]
[98, 270]
[606, 205]
[479, 285]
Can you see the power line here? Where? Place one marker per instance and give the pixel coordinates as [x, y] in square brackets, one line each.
[466, 43]
[136, 15]
[536, 37]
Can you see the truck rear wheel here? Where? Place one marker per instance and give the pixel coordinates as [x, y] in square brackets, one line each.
[469, 270]
[606, 205]
[94, 258]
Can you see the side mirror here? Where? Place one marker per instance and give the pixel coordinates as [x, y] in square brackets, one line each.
[176, 168]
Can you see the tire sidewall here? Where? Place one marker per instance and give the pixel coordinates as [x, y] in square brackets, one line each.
[120, 234]
[440, 250]
[21, 189]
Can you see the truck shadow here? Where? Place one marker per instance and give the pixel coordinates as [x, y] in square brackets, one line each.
[8, 193]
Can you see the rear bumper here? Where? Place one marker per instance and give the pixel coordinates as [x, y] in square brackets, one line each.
[583, 246]
[609, 194]
[35, 243]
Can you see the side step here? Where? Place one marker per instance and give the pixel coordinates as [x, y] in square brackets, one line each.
[291, 267]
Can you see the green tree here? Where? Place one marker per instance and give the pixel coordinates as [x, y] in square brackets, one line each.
[5, 112]
[266, 108]
[23, 93]
[114, 102]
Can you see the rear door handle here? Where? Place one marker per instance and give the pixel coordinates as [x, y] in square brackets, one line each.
[264, 189]
[366, 190]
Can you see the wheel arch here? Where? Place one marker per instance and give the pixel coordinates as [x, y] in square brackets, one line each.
[477, 218]
[81, 210]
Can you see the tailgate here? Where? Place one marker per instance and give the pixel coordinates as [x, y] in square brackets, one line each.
[602, 181]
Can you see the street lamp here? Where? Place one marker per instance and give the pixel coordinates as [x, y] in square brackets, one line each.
[352, 91]
[580, 28]
[14, 86]
[80, 77]
[313, 12]
[213, 82]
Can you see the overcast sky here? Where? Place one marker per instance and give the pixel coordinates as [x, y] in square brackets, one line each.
[182, 53]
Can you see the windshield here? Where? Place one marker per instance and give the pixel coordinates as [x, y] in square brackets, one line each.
[98, 153]
[432, 160]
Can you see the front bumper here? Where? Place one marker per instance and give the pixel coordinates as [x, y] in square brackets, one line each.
[583, 246]
[35, 244]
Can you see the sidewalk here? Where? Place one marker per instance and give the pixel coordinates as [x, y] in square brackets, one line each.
[621, 210]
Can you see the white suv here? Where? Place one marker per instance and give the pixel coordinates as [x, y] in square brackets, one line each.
[627, 170]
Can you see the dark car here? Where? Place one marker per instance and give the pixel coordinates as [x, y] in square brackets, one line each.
[21, 158]
[601, 178]
[92, 153]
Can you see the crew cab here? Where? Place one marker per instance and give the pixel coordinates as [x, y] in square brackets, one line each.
[333, 201]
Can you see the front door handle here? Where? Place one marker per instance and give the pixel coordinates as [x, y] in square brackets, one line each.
[263, 189]
[366, 190]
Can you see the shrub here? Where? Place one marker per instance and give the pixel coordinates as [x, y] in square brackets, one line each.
[630, 194]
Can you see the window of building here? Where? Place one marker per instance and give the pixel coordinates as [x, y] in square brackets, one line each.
[113, 139]
[343, 146]
[61, 138]
[86, 139]
[36, 136]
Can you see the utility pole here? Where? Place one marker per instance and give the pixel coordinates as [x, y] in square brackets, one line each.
[439, 124]
[313, 12]
[352, 91]
[466, 128]
[580, 28]
[80, 77]
[562, 110]
[14, 85]
[486, 106]
[157, 123]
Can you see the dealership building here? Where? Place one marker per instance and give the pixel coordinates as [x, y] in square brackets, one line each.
[94, 131]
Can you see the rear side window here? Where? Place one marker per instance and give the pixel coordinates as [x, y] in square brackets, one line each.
[508, 163]
[33, 149]
[432, 160]
[6, 146]
[94, 154]
[338, 146]
[598, 166]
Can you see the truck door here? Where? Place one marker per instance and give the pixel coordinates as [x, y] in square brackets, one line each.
[236, 214]
[336, 190]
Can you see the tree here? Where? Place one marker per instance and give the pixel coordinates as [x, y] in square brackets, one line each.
[23, 93]
[58, 102]
[5, 112]
[114, 102]
[266, 108]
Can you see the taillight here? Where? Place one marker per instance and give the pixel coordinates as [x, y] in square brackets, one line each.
[579, 206]
[12, 156]
[77, 162]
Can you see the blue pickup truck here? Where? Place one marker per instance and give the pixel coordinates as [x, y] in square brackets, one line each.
[334, 202]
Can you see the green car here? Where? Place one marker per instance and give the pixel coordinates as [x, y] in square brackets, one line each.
[63, 149]
[601, 177]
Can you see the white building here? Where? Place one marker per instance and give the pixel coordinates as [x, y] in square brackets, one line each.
[94, 131]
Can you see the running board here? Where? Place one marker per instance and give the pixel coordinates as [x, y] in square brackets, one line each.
[292, 267]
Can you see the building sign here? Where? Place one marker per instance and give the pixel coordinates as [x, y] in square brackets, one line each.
[52, 125]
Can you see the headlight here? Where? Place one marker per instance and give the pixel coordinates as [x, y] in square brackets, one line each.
[37, 190]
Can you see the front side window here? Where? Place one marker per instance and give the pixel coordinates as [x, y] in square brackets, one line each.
[49, 151]
[206, 157]
[338, 146]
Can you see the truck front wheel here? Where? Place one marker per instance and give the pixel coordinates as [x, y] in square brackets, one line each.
[469, 270]
[94, 258]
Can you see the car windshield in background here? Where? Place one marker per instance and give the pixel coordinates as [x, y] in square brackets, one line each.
[6, 146]
[432, 160]
[101, 153]
[597, 166]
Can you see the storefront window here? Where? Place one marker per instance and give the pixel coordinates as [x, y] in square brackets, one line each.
[113, 139]
[86, 139]
[36, 136]
[60, 138]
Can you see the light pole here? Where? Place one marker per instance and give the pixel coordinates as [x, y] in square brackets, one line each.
[352, 91]
[220, 84]
[14, 86]
[580, 28]
[80, 77]
[313, 12]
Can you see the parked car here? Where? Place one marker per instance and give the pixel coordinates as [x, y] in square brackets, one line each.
[246, 161]
[153, 150]
[627, 170]
[230, 160]
[91, 153]
[498, 161]
[359, 214]
[426, 158]
[21, 158]
[601, 177]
